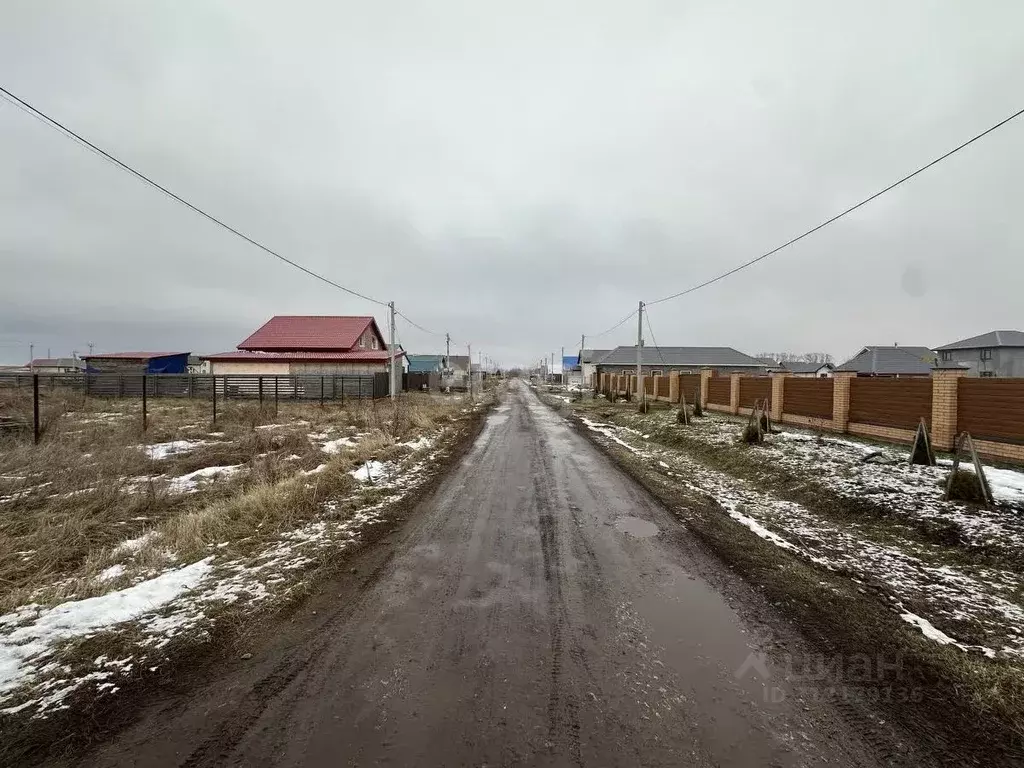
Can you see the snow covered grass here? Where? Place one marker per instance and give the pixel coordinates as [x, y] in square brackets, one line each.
[965, 590]
[231, 516]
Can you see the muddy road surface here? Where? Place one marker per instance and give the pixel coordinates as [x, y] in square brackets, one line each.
[538, 609]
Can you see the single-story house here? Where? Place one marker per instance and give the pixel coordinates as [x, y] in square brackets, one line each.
[138, 362]
[425, 363]
[572, 371]
[50, 365]
[588, 360]
[457, 364]
[308, 344]
[895, 361]
[996, 353]
[662, 360]
[809, 370]
[196, 364]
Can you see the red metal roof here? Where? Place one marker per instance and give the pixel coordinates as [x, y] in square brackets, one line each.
[133, 355]
[310, 332]
[356, 356]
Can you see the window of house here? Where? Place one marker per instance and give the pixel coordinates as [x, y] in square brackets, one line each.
[947, 355]
[373, 342]
[986, 354]
[656, 373]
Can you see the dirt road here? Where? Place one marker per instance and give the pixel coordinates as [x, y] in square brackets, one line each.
[538, 609]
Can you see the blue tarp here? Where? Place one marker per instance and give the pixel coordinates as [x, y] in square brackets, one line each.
[168, 364]
[570, 362]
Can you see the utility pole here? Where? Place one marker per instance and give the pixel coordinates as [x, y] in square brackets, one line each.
[562, 366]
[91, 345]
[31, 356]
[447, 350]
[391, 349]
[469, 362]
[639, 352]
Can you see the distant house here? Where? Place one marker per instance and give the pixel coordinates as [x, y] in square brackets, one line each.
[809, 370]
[996, 353]
[895, 361]
[588, 360]
[457, 364]
[662, 360]
[57, 365]
[572, 371]
[308, 344]
[198, 365]
[138, 362]
[425, 363]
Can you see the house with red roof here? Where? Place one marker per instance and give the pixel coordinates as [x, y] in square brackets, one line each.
[308, 344]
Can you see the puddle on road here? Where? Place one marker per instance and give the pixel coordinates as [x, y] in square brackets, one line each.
[634, 526]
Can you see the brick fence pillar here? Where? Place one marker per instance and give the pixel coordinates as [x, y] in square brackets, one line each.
[655, 387]
[734, 393]
[945, 385]
[841, 399]
[673, 387]
[705, 377]
[778, 388]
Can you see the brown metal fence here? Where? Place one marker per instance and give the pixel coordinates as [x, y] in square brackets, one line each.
[890, 402]
[808, 397]
[991, 409]
[649, 385]
[754, 388]
[719, 390]
[663, 390]
[689, 385]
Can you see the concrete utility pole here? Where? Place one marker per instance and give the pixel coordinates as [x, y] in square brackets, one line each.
[391, 348]
[31, 356]
[639, 353]
[447, 350]
[91, 346]
[469, 363]
[562, 358]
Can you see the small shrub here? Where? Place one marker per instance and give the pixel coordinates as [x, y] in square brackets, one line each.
[643, 407]
[697, 410]
[966, 486]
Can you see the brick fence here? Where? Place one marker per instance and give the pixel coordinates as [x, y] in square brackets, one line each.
[992, 410]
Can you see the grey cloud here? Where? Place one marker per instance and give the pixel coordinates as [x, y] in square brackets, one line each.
[515, 174]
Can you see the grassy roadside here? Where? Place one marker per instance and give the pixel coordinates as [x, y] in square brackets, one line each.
[970, 711]
[236, 627]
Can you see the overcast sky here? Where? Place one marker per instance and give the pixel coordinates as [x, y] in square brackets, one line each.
[515, 173]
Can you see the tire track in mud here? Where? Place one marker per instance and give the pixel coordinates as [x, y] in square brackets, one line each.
[563, 706]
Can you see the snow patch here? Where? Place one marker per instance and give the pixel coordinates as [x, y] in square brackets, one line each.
[173, 448]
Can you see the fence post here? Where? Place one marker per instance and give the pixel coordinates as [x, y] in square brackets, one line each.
[322, 378]
[841, 399]
[778, 392]
[35, 409]
[260, 384]
[145, 415]
[945, 389]
[705, 385]
[734, 393]
[215, 401]
[276, 380]
[673, 386]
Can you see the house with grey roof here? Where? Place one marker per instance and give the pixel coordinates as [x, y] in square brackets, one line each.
[588, 359]
[894, 361]
[996, 353]
[809, 370]
[662, 360]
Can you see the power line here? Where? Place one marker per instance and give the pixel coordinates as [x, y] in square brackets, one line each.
[650, 330]
[602, 333]
[838, 216]
[53, 123]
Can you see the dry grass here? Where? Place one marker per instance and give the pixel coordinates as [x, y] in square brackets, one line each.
[68, 505]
